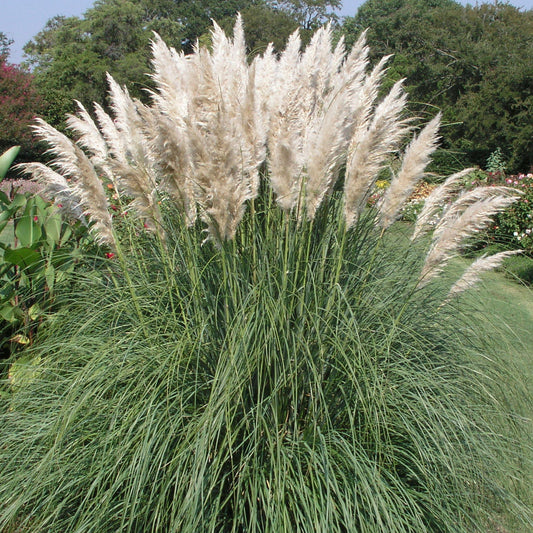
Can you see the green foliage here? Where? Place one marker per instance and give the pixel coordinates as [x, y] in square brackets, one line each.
[5, 44]
[474, 63]
[19, 104]
[291, 378]
[6, 159]
[496, 162]
[520, 267]
[263, 25]
[309, 14]
[37, 251]
[514, 226]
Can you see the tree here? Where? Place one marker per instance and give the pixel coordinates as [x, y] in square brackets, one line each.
[5, 44]
[19, 104]
[309, 13]
[466, 61]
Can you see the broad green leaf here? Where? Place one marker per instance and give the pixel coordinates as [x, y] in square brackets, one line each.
[50, 276]
[6, 159]
[35, 311]
[22, 257]
[52, 227]
[66, 235]
[4, 198]
[24, 370]
[42, 205]
[27, 230]
[7, 312]
[19, 200]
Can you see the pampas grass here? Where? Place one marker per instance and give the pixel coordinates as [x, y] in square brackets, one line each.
[295, 371]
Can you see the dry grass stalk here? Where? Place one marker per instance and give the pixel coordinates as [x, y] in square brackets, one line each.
[73, 163]
[472, 274]
[369, 149]
[55, 187]
[454, 231]
[415, 160]
[219, 124]
[435, 202]
[469, 198]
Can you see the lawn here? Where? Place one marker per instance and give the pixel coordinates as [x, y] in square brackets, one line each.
[509, 308]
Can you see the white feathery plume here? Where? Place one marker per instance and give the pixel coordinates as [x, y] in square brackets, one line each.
[472, 274]
[312, 118]
[465, 200]
[89, 136]
[170, 147]
[115, 141]
[171, 75]
[436, 200]
[72, 162]
[225, 133]
[473, 219]
[416, 158]
[135, 169]
[367, 95]
[369, 149]
[56, 188]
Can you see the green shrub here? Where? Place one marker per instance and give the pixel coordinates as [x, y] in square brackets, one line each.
[38, 250]
[514, 226]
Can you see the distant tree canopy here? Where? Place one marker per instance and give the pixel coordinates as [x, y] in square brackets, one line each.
[19, 104]
[5, 44]
[474, 63]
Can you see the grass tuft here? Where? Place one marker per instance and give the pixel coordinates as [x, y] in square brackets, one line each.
[292, 379]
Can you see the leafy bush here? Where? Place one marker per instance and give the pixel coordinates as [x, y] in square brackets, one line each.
[37, 250]
[302, 368]
[514, 226]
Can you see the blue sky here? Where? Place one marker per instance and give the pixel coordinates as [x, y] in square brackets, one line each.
[20, 20]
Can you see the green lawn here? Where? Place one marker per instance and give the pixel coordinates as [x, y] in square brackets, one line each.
[509, 305]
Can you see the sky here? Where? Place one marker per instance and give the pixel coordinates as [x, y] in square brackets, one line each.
[20, 20]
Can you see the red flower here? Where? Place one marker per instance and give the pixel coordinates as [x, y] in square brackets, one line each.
[110, 255]
[36, 218]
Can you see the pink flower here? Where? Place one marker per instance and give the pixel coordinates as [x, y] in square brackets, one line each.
[36, 218]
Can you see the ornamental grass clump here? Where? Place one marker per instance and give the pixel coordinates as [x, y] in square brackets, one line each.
[263, 352]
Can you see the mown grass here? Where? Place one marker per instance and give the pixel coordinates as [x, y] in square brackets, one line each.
[508, 308]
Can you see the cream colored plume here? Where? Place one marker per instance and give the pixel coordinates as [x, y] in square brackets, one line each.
[467, 199]
[416, 158]
[134, 167]
[435, 202]
[321, 98]
[223, 130]
[369, 149]
[454, 231]
[89, 137]
[56, 188]
[72, 163]
[472, 274]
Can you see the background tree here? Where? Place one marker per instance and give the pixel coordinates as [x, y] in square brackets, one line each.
[467, 61]
[19, 104]
[309, 13]
[5, 44]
